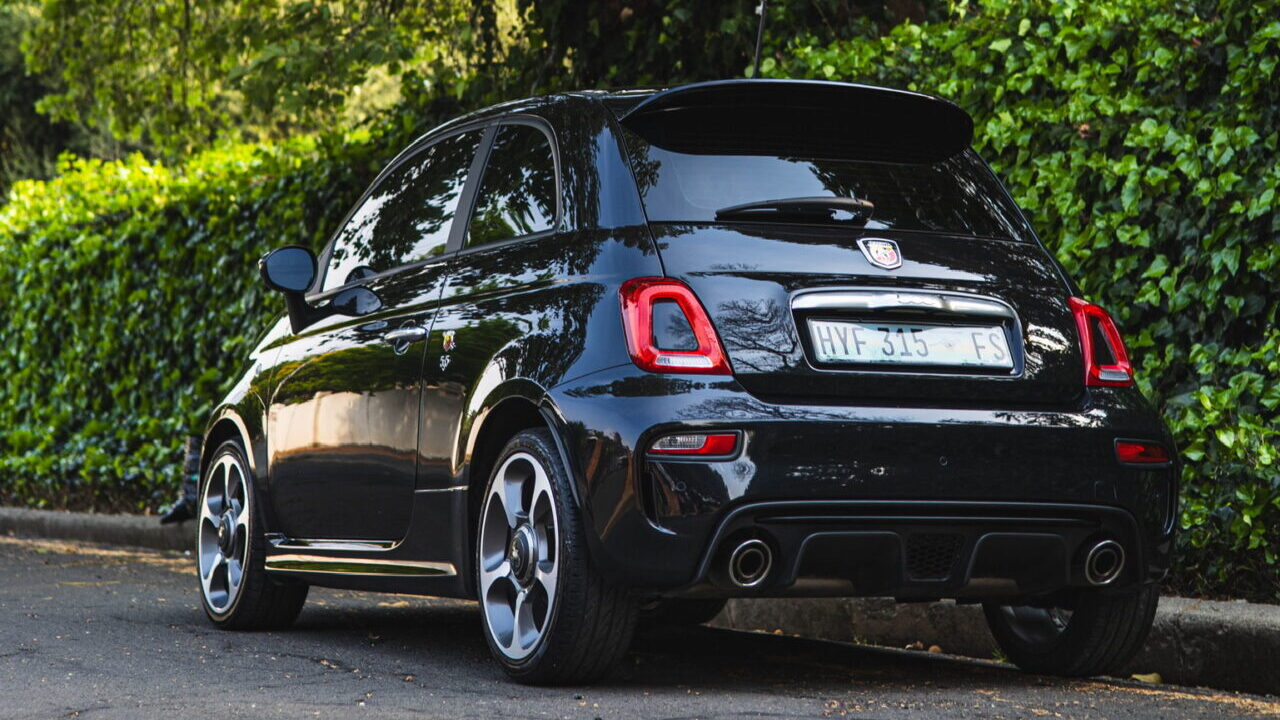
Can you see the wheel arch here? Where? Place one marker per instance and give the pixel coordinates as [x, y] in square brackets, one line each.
[518, 404]
[227, 425]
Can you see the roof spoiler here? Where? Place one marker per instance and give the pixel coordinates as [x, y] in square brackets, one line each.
[808, 118]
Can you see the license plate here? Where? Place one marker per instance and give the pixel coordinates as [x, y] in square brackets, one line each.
[897, 344]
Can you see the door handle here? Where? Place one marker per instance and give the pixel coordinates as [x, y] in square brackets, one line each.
[406, 335]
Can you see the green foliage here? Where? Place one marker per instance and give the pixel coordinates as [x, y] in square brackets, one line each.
[176, 74]
[130, 297]
[569, 44]
[29, 141]
[1142, 139]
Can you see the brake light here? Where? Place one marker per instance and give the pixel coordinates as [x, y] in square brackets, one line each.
[696, 444]
[689, 343]
[1141, 453]
[1106, 363]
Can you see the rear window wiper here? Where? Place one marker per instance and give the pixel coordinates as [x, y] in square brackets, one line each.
[801, 209]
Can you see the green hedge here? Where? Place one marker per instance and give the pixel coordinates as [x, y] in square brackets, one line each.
[131, 296]
[1141, 137]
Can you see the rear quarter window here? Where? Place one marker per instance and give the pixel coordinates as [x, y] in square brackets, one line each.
[517, 194]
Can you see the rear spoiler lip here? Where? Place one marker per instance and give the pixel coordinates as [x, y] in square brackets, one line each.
[951, 118]
[666, 97]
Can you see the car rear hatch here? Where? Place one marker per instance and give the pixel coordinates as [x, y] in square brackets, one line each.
[849, 247]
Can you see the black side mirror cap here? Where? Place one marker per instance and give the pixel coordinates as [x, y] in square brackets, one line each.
[290, 269]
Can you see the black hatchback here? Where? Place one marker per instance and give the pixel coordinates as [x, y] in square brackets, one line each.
[602, 356]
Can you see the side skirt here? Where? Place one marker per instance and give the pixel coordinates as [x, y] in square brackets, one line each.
[425, 562]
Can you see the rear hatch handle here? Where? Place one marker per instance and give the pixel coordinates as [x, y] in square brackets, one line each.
[882, 300]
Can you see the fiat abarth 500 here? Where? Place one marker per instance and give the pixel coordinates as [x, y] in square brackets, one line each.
[602, 356]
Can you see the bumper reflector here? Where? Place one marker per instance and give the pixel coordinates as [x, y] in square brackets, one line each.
[1141, 453]
[696, 444]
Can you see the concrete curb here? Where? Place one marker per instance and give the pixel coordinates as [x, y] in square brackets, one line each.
[143, 531]
[1225, 645]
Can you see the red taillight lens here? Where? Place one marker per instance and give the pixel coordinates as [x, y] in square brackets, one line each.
[696, 444]
[1106, 363]
[639, 298]
[1141, 453]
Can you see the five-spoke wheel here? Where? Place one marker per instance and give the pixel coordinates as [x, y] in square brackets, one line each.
[234, 587]
[518, 556]
[549, 615]
[224, 533]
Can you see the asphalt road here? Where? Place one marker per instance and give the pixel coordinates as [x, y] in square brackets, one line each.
[92, 632]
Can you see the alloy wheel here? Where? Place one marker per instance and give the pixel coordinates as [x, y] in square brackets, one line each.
[519, 557]
[224, 533]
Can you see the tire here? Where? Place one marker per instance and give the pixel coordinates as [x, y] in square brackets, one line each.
[1098, 634]
[228, 500]
[532, 564]
[681, 612]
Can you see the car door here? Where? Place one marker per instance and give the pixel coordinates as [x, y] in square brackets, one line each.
[485, 307]
[342, 428]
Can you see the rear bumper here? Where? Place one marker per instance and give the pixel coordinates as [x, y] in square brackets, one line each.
[919, 549]
[848, 496]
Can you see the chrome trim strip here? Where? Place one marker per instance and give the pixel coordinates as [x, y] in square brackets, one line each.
[455, 488]
[357, 566]
[900, 299]
[280, 542]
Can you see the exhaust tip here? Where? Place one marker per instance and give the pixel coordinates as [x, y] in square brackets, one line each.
[1103, 563]
[750, 563]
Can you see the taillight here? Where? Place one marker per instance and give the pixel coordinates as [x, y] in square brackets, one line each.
[668, 330]
[1137, 452]
[1106, 363]
[696, 444]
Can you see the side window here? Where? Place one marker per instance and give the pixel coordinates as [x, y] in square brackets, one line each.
[518, 191]
[407, 217]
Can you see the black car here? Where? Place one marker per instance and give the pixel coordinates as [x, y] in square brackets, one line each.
[606, 355]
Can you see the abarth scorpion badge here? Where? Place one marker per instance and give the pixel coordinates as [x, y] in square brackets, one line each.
[881, 253]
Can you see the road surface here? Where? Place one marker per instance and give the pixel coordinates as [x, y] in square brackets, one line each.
[95, 632]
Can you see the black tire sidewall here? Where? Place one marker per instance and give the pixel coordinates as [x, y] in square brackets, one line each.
[1084, 637]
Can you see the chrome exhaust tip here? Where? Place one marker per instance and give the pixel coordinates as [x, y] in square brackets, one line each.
[750, 563]
[1103, 563]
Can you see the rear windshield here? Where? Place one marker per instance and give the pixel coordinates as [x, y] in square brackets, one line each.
[958, 195]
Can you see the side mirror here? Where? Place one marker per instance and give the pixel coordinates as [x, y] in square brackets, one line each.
[290, 269]
[356, 301]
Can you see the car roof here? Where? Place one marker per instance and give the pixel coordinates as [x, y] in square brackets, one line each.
[884, 115]
[626, 101]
